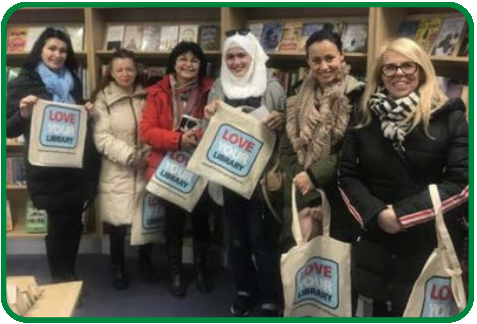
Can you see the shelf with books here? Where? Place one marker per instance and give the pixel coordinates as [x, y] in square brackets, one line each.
[429, 26]
[283, 31]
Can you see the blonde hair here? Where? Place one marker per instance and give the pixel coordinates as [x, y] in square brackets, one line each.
[431, 95]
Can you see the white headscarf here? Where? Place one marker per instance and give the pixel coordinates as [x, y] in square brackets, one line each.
[254, 82]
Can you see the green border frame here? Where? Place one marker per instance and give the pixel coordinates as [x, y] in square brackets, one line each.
[459, 7]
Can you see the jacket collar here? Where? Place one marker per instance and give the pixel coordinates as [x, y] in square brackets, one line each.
[115, 93]
[205, 83]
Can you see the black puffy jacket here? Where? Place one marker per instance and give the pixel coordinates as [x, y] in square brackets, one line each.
[51, 188]
[372, 175]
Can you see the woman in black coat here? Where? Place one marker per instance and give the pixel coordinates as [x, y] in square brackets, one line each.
[411, 135]
[50, 74]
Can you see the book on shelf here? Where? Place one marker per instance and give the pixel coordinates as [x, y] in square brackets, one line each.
[114, 37]
[427, 32]
[169, 36]
[338, 26]
[256, 29]
[354, 37]
[209, 38]
[32, 35]
[16, 171]
[36, 219]
[464, 45]
[307, 30]
[188, 33]
[290, 36]
[151, 35]
[77, 37]
[271, 35]
[408, 28]
[450, 35]
[9, 221]
[17, 39]
[133, 37]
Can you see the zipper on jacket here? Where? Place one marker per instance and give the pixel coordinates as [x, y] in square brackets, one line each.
[135, 138]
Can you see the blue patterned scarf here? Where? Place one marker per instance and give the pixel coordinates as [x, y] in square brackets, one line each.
[59, 83]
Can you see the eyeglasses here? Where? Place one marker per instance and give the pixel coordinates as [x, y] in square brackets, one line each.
[408, 68]
[241, 31]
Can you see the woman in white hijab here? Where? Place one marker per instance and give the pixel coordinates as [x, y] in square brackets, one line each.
[245, 81]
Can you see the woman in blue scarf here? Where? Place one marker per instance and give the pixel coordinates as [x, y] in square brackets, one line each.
[50, 74]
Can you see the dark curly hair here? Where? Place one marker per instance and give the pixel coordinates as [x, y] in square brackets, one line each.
[183, 48]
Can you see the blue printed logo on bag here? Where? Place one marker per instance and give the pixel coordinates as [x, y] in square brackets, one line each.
[60, 127]
[152, 212]
[173, 172]
[439, 301]
[318, 280]
[234, 150]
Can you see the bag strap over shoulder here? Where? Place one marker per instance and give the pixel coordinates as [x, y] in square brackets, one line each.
[326, 216]
[447, 250]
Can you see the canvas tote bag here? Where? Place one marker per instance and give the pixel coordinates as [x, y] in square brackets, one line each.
[173, 182]
[234, 150]
[439, 290]
[57, 135]
[316, 274]
[148, 222]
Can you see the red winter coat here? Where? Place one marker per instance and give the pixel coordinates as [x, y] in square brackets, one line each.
[156, 127]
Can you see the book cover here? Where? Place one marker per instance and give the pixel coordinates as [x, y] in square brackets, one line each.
[17, 39]
[271, 35]
[426, 34]
[36, 219]
[449, 37]
[151, 35]
[256, 30]
[408, 28]
[188, 33]
[114, 37]
[133, 37]
[290, 36]
[307, 30]
[169, 36]
[77, 37]
[209, 38]
[32, 35]
[354, 37]
[464, 45]
[338, 26]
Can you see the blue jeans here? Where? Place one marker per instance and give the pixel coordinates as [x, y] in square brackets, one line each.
[253, 232]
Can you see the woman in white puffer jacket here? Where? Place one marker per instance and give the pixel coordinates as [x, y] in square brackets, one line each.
[118, 104]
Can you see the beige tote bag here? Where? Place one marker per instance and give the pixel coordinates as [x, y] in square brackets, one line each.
[439, 290]
[173, 182]
[57, 135]
[148, 222]
[316, 274]
[234, 150]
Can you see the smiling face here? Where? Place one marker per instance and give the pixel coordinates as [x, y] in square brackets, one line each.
[54, 53]
[400, 84]
[238, 61]
[324, 59]
[186, 68]
[124, 72]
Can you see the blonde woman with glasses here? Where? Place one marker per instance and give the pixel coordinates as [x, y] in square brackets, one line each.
[410, 135]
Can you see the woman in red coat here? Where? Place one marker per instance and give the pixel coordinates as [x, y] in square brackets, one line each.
[183, 91]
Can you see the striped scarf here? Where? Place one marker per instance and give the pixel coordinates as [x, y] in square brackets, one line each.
[395, 115]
